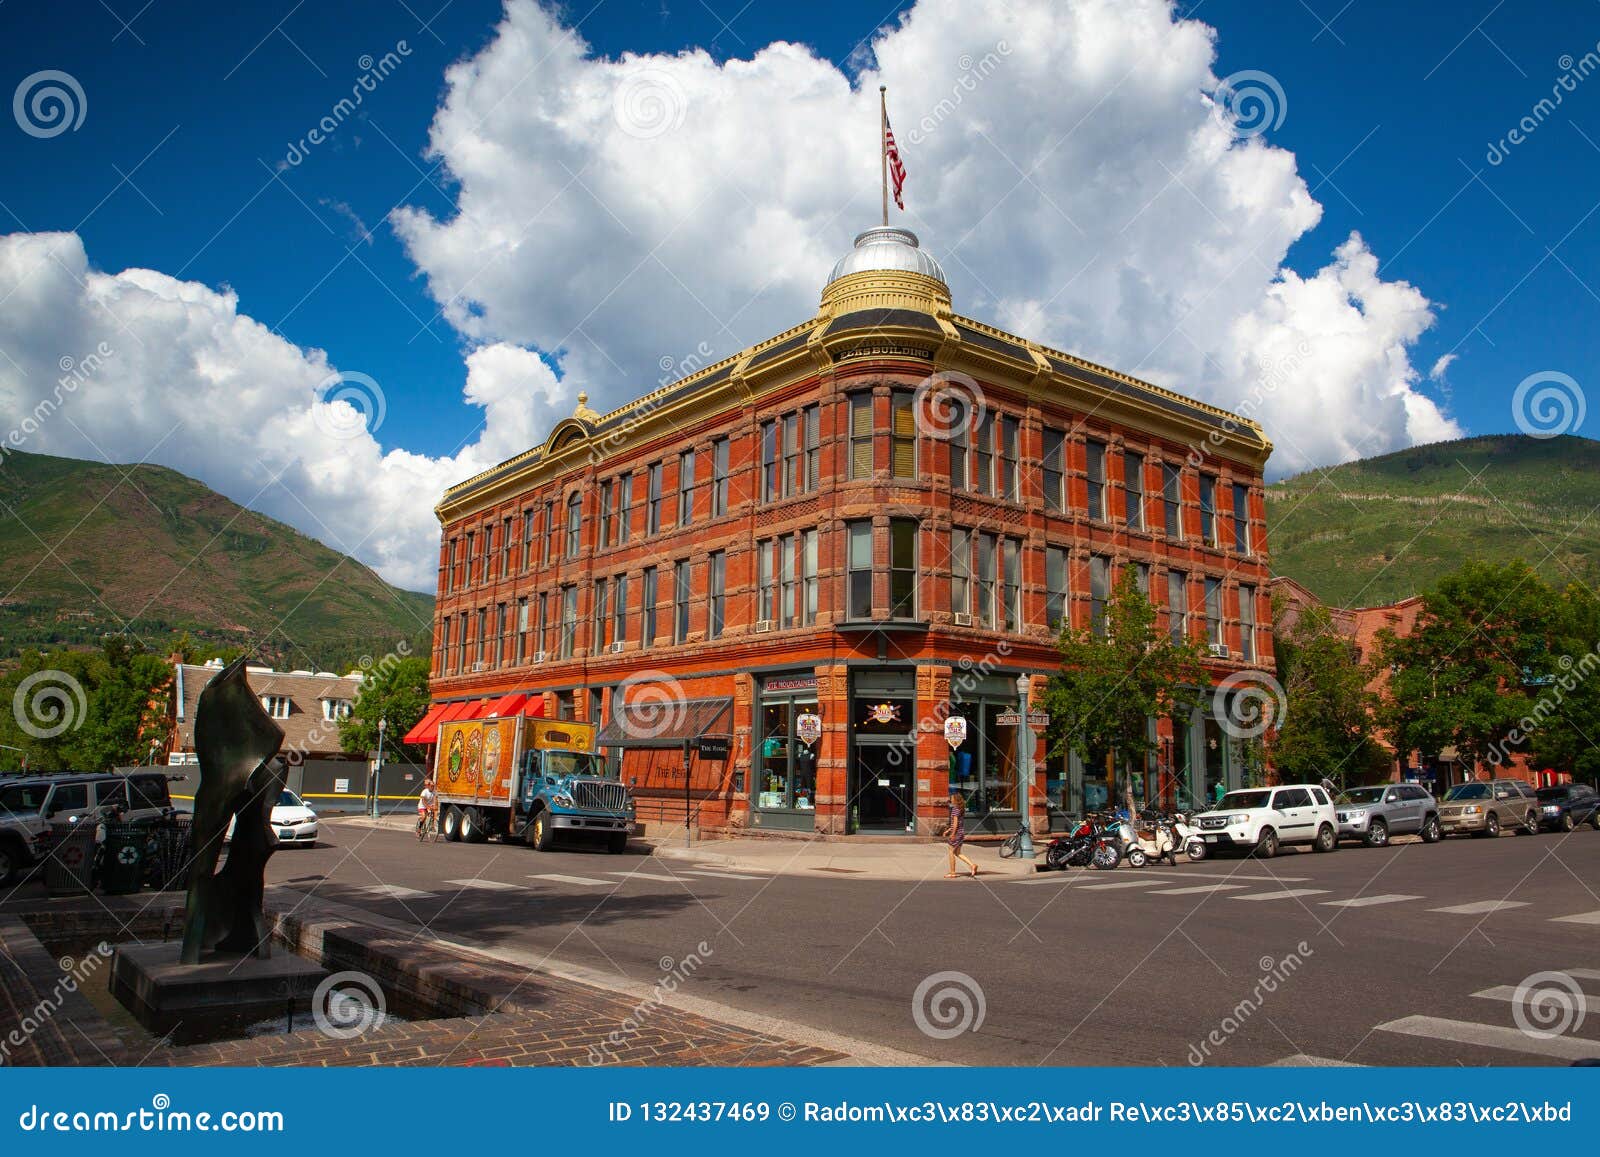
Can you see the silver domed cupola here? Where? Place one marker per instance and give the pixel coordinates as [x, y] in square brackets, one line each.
[887, 268]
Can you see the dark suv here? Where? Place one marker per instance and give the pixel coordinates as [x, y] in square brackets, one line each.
[1564, 807]
[30, 804]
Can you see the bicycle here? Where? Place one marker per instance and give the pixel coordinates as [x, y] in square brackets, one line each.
[1011, 845]
[428, 827]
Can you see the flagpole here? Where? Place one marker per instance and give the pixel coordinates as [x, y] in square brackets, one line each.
[883, 145]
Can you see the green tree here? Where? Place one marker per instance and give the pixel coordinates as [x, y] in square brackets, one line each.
[1565, 721]
[73, 710]
[396, 692]
[1116, 678]
[1462, 677]
[1330, 727]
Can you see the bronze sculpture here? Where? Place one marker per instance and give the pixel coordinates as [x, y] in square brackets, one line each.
[240, 781]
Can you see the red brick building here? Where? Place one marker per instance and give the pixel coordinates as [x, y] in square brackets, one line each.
[830, 543]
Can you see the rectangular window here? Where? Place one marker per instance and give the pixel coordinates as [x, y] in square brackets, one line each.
[1208, 510]
[1011, 560]
[1054, 465]
[983, 455]
[680, 601]
[569, 620]
[769, 461]
[1213, 610]
[791, 454]
[574, 524]
[719, 478]
[1055, 587]
[607, 526]
[1095, 471]
[522, 629]
[619, 608]
[1241, 518]
[1133, 489]
[1247, 624]
[1009, 480]
[903, 568]
[480, 637]
[653, 515]
[686, 488]
[986, 580]
[527, 539]
[502, 634]
[647, 608]
[808, 577]
[472, 557]
[601, 612]
[541, 633]
[903, 436]
[461, 655]
[488, 551]
[961, 571]
[716, 593]
[1099, 592]
[787, 578]
[624, 509]
[860, 570]
[1141, 578]
[1172, 501]
[960, 439]
[450, 566]
[861, 436]
[444, 646]
[505, 548]
[549, 531]
[813, 424]
[1178, 606]
[766, 579]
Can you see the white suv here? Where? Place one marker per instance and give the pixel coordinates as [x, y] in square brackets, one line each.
[1263, 819]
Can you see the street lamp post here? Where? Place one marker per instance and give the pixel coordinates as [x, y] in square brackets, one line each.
[1025, 767]
[377, 769]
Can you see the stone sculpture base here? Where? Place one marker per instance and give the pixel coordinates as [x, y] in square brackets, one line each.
[205, 1001]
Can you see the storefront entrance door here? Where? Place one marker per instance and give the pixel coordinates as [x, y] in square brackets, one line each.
[884, 796]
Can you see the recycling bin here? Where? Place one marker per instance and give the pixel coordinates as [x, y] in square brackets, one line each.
[69, 860]
[170, 849]
[123, 857]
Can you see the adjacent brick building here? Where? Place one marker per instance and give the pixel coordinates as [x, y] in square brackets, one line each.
[828, 544]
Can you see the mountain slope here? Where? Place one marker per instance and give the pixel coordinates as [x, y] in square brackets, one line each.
[87, 548]
[1381, 529]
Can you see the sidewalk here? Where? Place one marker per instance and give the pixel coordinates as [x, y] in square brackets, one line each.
[842, 859]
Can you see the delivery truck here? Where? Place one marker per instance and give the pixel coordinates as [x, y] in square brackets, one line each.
[527, 779]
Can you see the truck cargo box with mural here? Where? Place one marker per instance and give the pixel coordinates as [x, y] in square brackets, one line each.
[529, 779]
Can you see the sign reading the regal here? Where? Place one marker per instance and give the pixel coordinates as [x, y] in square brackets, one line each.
[955, 731]
[713, 747]
[808, 728]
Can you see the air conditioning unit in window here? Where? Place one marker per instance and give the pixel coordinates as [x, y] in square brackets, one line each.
[762, 626]
[963, 619]
[479, 666]
[1217, 650]
[538, 656]
[616, 648]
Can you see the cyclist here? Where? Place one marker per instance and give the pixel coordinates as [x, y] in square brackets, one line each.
[427, 807]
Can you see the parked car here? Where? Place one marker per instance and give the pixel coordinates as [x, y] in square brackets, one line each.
[1261, 820]
[1485, 808]
[29, 805]
[292, 821]
[1567, 805]
[1373, 814]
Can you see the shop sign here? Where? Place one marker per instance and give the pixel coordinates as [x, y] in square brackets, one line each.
[808, 728]
[791, 683]
[955, 731]
[1037, 720]
[713, 747]
[883, 713]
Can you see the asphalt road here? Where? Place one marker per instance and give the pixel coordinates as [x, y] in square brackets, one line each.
[1410, 954]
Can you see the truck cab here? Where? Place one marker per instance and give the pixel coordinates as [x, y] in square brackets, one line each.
[566, 792]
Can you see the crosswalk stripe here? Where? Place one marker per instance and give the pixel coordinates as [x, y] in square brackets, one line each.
[1369, 901]
[1120, 884]
[1197, 889]
[1580, 918]
[645, 876]
[1566, 1048]
[485, 885]
[396, 892]
[1481, 907]
[1286, 894]
[585, 881]
[724, 875]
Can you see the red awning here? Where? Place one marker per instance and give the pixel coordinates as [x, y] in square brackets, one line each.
[463, 710]
[507, 705]
[427, 729]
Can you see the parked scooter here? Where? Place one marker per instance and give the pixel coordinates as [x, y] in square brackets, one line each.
[1093, 843]
[1157, 836]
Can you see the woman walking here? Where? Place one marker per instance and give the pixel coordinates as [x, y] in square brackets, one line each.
[956, 834]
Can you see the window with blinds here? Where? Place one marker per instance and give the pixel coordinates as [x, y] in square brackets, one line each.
[1172, 500]
[1177, 605]
[1099, 592]
[1241, 518]
[903, 436]
[1055, 586]
[1247, 623]
[1133, 489]
[1095, 469]
[1053, 464]
[861, 436]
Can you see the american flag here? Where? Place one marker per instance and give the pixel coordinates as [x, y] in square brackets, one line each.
[897, 171]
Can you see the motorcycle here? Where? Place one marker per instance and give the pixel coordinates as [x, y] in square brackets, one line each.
[1091, 844]
[1159, 837]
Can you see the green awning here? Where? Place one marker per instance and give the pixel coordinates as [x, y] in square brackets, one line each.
[668, 723]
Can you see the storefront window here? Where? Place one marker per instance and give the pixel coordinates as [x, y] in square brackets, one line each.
[786, 765]
[984, 768]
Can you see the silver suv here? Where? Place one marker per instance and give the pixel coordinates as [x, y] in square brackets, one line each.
[1485, 809]
[29, 805]
[1373, 814]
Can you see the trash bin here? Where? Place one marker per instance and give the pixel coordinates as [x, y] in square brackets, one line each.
[69, 861]
[122, 858]
[169, 849]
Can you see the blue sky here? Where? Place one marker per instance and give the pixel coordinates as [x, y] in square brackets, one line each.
[192, 108]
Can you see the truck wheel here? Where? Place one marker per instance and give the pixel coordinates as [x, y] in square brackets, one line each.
[541, 832]
[472, 830]
[617, 843]
[452, 823]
